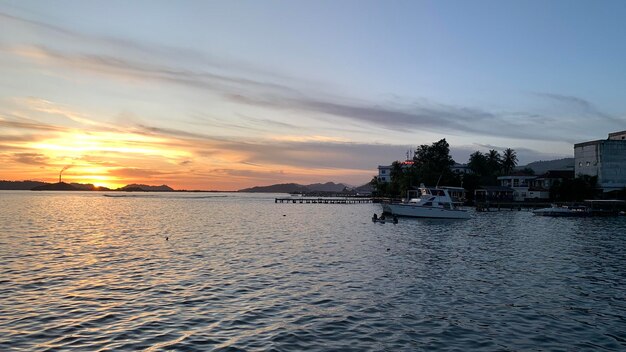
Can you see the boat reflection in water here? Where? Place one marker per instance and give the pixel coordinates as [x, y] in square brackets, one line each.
[564, 211]
[432, 202]
[590, 208]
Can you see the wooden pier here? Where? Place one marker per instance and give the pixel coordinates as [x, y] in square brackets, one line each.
[302, 200]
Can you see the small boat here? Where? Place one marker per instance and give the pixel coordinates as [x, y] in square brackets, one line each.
[564, 211]
[432, 202]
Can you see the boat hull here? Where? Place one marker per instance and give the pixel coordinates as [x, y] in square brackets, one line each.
[424, 212]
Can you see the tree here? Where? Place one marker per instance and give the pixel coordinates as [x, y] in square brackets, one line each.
[477, 163]
[527, 171]
[493, 162]
[509, 161]
[432, 164]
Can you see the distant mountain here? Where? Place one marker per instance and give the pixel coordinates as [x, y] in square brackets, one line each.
[326, 187]
[278, 188]
[329, 187]
[541, 167]
[59, 186]
[20, 185]
[145, 188]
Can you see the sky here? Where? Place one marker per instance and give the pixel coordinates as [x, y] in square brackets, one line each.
[222, 95]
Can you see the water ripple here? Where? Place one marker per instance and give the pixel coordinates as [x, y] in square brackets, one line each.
[82, 271]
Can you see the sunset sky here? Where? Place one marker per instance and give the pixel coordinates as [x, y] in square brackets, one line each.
[224, 95]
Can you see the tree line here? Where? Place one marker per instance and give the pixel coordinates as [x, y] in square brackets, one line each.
[432, 165]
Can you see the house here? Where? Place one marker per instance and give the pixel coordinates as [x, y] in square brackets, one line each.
[493, 193]
[460, 169]
[550, 178]
[528, 187]
[520, 184]
[605, 159]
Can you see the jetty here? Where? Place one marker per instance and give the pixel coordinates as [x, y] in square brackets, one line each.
[319, 200]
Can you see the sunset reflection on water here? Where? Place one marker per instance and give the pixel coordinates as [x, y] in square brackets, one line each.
[84, 271]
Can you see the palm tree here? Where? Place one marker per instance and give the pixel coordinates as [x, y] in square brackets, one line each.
[493, 161]
[509, 160]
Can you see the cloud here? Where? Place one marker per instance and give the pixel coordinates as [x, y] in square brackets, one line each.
[31, 126]
[579, 105]
[31, 158]
[240, 88]
[130, 172]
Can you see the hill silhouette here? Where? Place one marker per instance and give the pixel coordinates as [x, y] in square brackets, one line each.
[59, 186]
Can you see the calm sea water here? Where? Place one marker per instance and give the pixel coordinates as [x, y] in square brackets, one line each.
[239, 273]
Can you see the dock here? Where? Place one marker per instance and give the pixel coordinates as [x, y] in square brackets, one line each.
[303, 200]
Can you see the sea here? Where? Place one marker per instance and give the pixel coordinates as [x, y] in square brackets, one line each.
[82, 271]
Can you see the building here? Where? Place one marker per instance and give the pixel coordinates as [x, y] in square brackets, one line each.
[494, 194]
[526, 187]
[460, 169]
[384, 171]
[605, 159]
[520, 184]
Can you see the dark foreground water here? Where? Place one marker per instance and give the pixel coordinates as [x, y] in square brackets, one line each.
[86, 272]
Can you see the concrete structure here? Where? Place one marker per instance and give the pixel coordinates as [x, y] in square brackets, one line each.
[605, 159]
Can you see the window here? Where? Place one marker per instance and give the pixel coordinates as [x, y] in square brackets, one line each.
[383, 171]
[587, 164]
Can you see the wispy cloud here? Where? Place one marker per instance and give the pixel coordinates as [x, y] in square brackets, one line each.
[31, 158]
[580, 106]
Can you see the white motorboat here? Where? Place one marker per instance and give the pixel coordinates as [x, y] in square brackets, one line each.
[431, 203]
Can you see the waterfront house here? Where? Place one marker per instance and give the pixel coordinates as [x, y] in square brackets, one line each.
[520, 185]
[528, 187]
[494, 194]
[539, 187]
[605, 159]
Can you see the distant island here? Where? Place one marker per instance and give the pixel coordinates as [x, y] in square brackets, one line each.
[315, 188]
[63, 186]
[327, 188]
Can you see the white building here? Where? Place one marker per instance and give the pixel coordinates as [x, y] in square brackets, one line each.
[384, 171]
[603, 158]
[521, 186]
